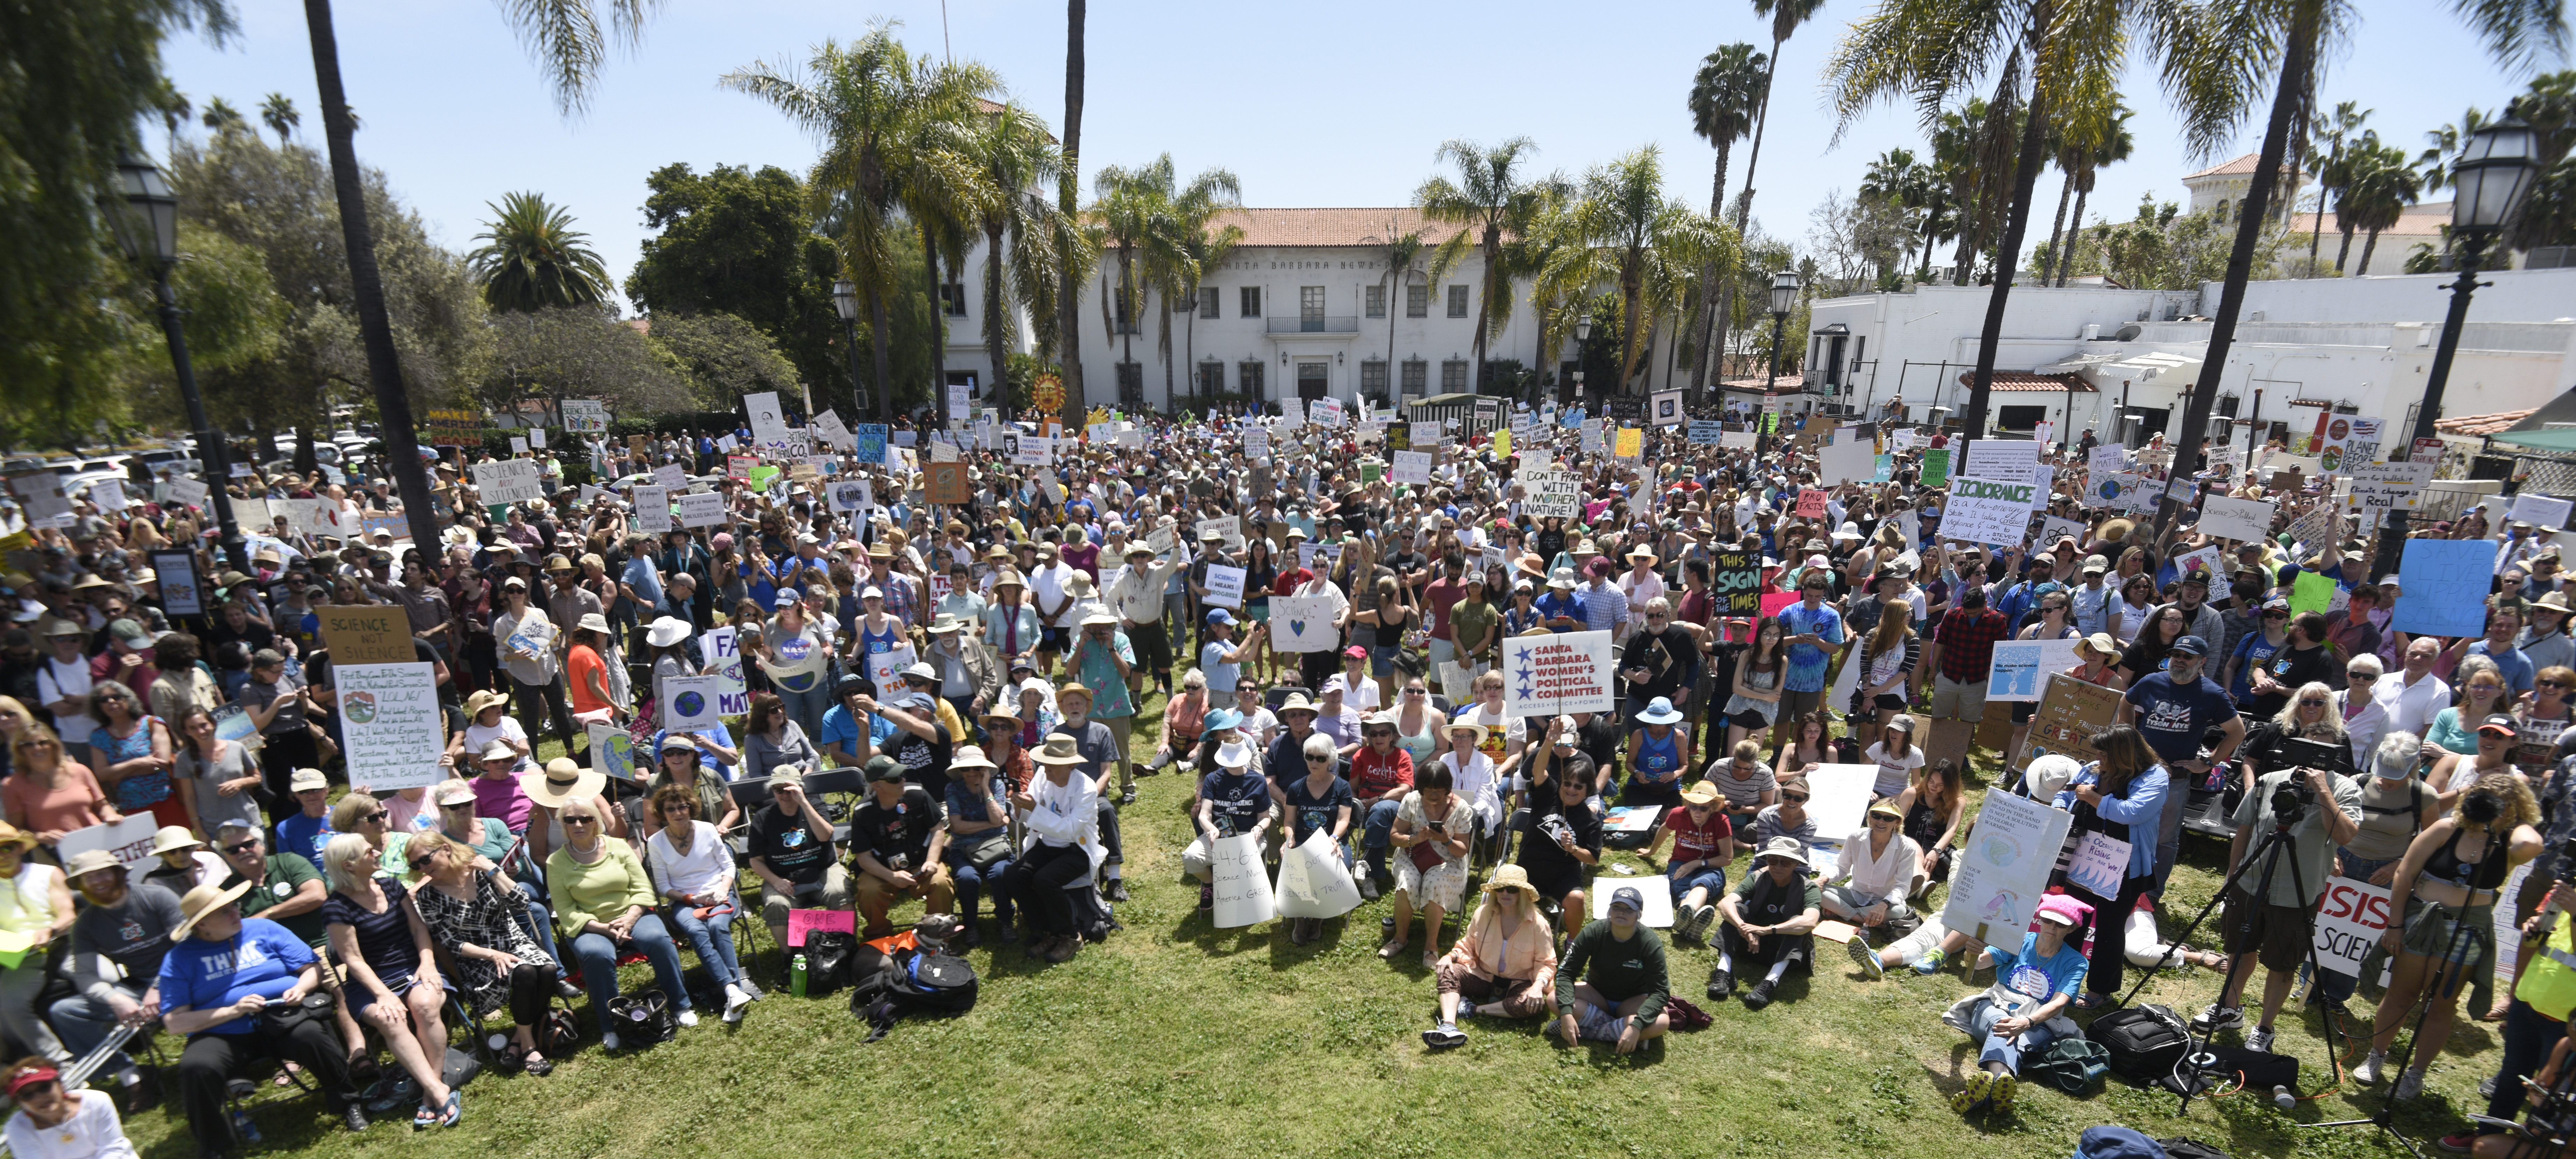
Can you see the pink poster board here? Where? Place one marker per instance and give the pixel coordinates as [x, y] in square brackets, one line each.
[1773, 603]
[801, 922]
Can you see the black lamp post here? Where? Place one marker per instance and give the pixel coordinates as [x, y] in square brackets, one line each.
[1582, 335]
[145, 217]
[2494, 174]
[1784, 294]
[845, 302]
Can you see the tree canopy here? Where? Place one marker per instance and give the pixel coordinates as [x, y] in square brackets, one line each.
[738, 241]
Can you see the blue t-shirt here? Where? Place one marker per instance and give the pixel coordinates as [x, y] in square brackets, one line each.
[1236, 800]
[2510, 663]
[262, 959]
[838, 729]
[646, 582]
[303, 836]
[2172, 718]
[1807, 662]
[716, 732]
[1221, 676]
[2039, 979]
[2251, 652]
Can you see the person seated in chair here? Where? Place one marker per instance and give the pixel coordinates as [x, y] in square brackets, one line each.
[1563, 839]
[474, 915]
[1613, 985]
[53, 1123]
[695, 869]
[128, 926]
[1235, 799]
[603, 906]
[235, 987]
[1504, 966]
[898, 836]
[1878, 869]
[1770, 921]
[791, 852]
[2034, 984]
[1432, 830]
[393, 982]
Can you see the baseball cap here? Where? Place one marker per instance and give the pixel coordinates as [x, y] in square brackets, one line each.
[883, 768]
[2191, 646]
[1628, 896]
[2500, 723]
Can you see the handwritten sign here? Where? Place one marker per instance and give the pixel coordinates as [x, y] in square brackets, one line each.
[690, 703]
[2021, 666]
[1225, 586]
[1707, 433]
[2004, 866]
[1989, 511]
[177, 573]
[367, 634]
[1936, 467]
[1811, 504]
[2539, 510]
[2222, 517]
[1312, 881]
[1411, 467]
[701, 509]
[1735, 582]
[1550, 493]
[2101, 863]
[129, 841]
[724, 651]
[391, 722]
[1558, 673]
[509, 481]
[1228, 528]
[1242, 887]
[2070, 712]
[652, 508]
[868, 442]
[946, 484]
[801, 922]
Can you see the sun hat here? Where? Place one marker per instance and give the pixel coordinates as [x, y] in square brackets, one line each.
[561, 781]
[2101, 644]
[203, 900]
[919, 670]
[454, 793]
[1510, 876]
[592, 622]
[1785, 848]
[1234, 755]
[13, 835]
[1100, 617]
[1472, 726]
[1700, 793]
[1562, 579]
[487, 698]
[1059, 750]
[1660, 710]
[307, 780]
[86, 861]
[666, 631]
[971, 757]
[1296, 702]
[1885, 808]
[173, 837]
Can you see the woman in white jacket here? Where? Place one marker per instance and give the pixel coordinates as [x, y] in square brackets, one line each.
[695, 873]
[1061, 812]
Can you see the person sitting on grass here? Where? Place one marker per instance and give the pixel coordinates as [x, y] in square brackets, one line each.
[1563, 840]
[52, 1123]
[1879, 868]
[897, 836]
[2020, 1013]
[1703, 846]
[1770, 921]
[1503, 966]
[1233, 800]
[1613, 985]
[1432, 828]
[1789, 817]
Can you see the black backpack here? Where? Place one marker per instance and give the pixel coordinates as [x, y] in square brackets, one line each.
[642, 1019]
[935, 984]
[830, 957]
[2146, 1042]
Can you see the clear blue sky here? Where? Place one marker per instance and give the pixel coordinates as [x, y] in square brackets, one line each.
[1322, 103]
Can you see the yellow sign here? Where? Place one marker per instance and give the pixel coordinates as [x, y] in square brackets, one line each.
[1631, 444]
[367, 634]
[1502, 444]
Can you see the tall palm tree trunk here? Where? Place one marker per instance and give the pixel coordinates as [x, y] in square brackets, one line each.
[2343, 251]
[375, 326]
[2366, 248]
[2317, 232]
[938, 330]
[1124, 318]
[1704, 324]
[1163, 325]
[1069, 299]
[1493, 247]
[878, 328]
[2297, 62]
[2034, 137]
[2066, 260]
[1761, 123]
[1931, 232]
[996, 323]
[2057, 231]
[1190, 345]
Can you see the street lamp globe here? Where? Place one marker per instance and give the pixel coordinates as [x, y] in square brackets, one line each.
[1583, 328]
[2494, 172]
[147, 224]
[845, 298]
[1784, 292]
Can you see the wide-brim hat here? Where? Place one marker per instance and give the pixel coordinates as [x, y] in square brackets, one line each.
[487, 698]
[174, 837]
[1784, 848]
[1008, 577]
[203, 900]
[1234, 755]
[1660, 711]
[561, 781]
[1700, 793]
[1100, 619]
[1059, 750]
[1562, 579]
[1296, 702]
[87, 861]
[666, 631]
[1512, 877]
[971, 757]
[25, 841]
[1455, 725]
[592, 622]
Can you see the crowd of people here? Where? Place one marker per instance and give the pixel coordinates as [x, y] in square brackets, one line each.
[939, 707]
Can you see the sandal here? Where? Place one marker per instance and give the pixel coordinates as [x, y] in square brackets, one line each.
[514, 1057]
[539, 1065]
[2090, 1001]
[1392, 947]
[455, 1110]
[426, 1117]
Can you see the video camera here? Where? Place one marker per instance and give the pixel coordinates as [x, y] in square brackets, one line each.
[2292, 798]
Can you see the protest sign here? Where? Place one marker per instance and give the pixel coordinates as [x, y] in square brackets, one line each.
[1838, 801]
[2352, 916]
[946, 484]
[1846, 456]
[518, 445]
[1735, 579]
[1411, 467]
[129, 841]
[1936, 467]
[1242, 886]
[585, 417]
[1738, 440]
[1225, 586]
[2003, 867]
[2100, 864]
[177, 573]
[2009, 460]
[1560, 673]
[612, 752]
[366, 634]
[1550, 493]
[187, 492]
[943, 451]
[1658, 913]
[768, 426]
[2442, 586]
[2539, 510]
[1302, 623]
[1029, 450]
[1229, 527]
[1591, 436]
[832, 431]
[1631, 444]
[2222, 517]
[2020, 666]
[804, 922]
[670, 475]
[1989, 511]
[233, 723]
[724, 651]
[1707, 432]
[391, 722]
[2070, 712]
[2119, 491]
[690, 703]
[652, 508]
[2054, 528]
[1312, 880]
[868, 442]
[2211, 559]
[509, 481]
[701, 509]
[2311, 592]
[1811, 504]
[1256, 443]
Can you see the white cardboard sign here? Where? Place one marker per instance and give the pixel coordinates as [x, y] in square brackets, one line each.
[1561, 673]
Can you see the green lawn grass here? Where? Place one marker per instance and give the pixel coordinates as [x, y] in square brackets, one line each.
[1177, 1039]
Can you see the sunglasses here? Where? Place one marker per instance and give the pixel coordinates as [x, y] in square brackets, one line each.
[1379, 732]
[2276, 615]
[2312, 704]
[1417, 692]
[581, 820]
[2560, 684]
[243, 847]
[424, 859]
[1800, 798]
[375, 818]
[2364, 677]
[1319, 760]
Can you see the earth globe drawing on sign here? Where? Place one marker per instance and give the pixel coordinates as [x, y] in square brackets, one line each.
[358, 707]
[2108, 489]
[689, 704]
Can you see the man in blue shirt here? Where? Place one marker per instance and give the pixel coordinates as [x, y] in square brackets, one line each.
[304, 833]
[840, 728]
[2503, 624]
[2173, 709]
[1813, 632]
[1565, 611]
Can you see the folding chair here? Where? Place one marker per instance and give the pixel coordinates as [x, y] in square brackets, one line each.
[1279, 696]
[847, 783]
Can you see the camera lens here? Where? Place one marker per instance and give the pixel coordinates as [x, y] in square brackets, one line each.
[2481, 808]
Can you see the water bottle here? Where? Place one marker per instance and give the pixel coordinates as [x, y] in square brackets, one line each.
[243, 1127]
[796, 976]
[2282, 1098]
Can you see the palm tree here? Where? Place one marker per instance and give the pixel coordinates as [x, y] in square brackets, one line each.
[1011, 147]
[1206, 249]
[1725, 97]
[533, 259]
[1489, 194]
[565, 36]
[1786, 16]
[2077, 138]
[871, 102]
[1071, 269]
[222, 117]
[2384, 183]
[1897, 178]
[2244, 43]
[1957, 137]
[2346, 123]
[279, 114]
[1628, 235]
[945, 194]
[1142, 211]
[1403, 261]
[2111, 148]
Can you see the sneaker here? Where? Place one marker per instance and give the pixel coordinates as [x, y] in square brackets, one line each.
[2000, 1094]
[353, 1115]
[1466, 1009]
[735, 1001]
[1207, 898]
[1979, 1085]
[2460, 1144]
[1707, 921]
[1127, 798]
[688, 1017]
[2367, 1074]
[1931, 961]
[608, 1041]
[2260, 1042]
[1444, 1036]
[1866, 959]
[1117, 890]
[2216, 1018]
[1759, 996]
[2409, 1084]
[1720, 985]
[2487, 1088]
[1368, 885]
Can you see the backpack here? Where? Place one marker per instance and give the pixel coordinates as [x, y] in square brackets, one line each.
[2072, 1065]
[642, 1019]
[830, 956]
[935, 984]
[2186, 1147]
[2145, 1042]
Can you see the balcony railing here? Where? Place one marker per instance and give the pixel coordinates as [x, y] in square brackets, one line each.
[1346, 324]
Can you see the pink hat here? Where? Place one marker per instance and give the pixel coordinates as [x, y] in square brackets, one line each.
[2066, 910]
